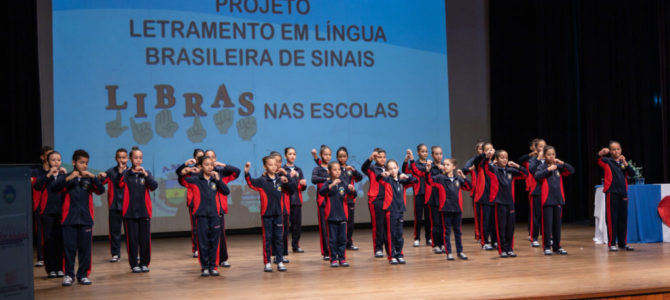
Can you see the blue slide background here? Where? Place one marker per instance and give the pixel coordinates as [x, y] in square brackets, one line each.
[93, 48]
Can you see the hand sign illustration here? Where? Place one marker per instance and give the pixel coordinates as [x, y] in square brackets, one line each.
[165, 127]
[114, 127]
[196, 133]
[223, 120]
[142, 132]
[246, 128]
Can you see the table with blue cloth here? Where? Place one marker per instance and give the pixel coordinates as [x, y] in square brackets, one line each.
[644, 223]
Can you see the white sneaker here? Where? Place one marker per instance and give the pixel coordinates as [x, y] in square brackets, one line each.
[487, 247]
[450, 256]
[535, 244]
[379, 254]
[39, 263]
[462, 255]
[195, 254]
[85, 281]
[417, 243]
[267, 268]
[429, 242]
[614, 249]
[67, 281]
[225, 264]
[280, 267]
[115, 258]
[60, 274]
[393, 261]
[401, 260]
[137, 269]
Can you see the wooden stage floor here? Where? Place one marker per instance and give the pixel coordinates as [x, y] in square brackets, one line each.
[588, 271]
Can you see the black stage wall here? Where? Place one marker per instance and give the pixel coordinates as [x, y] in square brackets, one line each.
[579, 73]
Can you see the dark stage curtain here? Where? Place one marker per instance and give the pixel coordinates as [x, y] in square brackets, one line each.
[21, 136]
[578, 74]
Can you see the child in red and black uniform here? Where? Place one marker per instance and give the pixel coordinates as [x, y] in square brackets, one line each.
[535, 159]
[227, 173]
[376, 199]
[286, 208]
[482, 164]
[503, 173]
[335, 192]
[393, 186]
[433, 202]
[77, 217]
[295, 200]
[273, 189]
[470, 168]
[449, 186]
[616, 170]
[37, 197]
[191, 165]
[349, 175]
[115, 201]
[49, 186]
[421, 193]
[136, 183]
[319, 177]
[549, 177]
[204, 188]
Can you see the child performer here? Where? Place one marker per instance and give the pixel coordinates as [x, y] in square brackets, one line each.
[37, 197]
[295, 200]
[482, 165]
[503, 173]
[376, 199]
[191, 165]
[615, 187]
[534, 161]
[433, 202]
[350, 176]
[286, 208]
[421, 193]
[319, 177]
[549, 177]
[273, 189]
[393, 186]
[204, 188]
[136, 183]
[50, 215]
[77, 218]
[227, 173]
[115, 201]
[468, 168]
[335, 192]
[449, 186]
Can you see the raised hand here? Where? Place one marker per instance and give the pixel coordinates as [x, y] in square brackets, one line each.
[115, 128]
[247, 166]
[223, 120]
[87, 174]
[53, 171]
[350, 168]
[351, 187]
[409, 155]
[219, 164]
[102, 175]
[429, 164]
[282, 171]
[196, 133]
[190, 161]
[314, 154]
[62, 170]
[403, 176]
[460, 173]
[214, 174]
[513, 164]
[246, 128]
[373, 156]
[385, 174]
[294, 173]
[552, 167]
[603, 151]
[165, 127]
[303, 182]
[283, 179]
[142, 132]
[558, 161]
[336, 181]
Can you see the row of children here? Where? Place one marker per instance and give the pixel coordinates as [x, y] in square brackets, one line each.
[64, 209]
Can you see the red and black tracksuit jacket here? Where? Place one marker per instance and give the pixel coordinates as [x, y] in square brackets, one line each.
[449, 191]
[136, 198]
